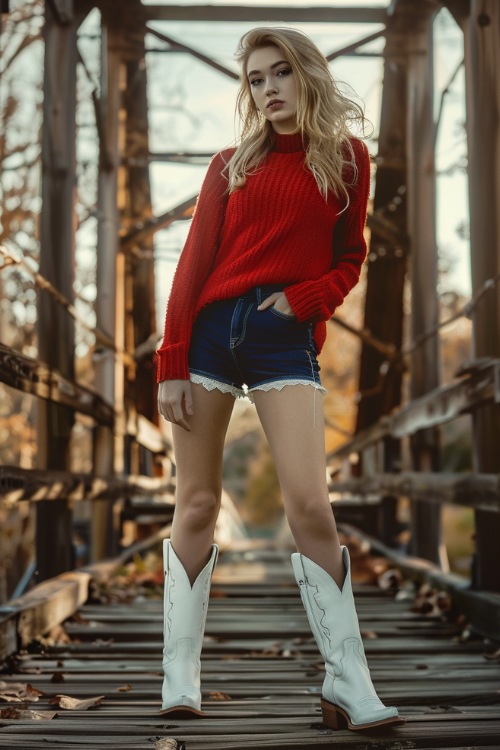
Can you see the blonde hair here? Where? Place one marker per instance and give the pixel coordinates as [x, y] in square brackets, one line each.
[323, 113]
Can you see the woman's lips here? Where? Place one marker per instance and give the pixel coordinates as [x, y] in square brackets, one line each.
[276, 104]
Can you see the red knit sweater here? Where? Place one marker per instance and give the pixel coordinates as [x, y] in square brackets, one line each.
[277, 229]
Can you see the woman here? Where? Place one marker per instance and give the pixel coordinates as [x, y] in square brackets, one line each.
[275, 245]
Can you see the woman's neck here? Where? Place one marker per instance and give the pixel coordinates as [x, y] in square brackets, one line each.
[288, 143]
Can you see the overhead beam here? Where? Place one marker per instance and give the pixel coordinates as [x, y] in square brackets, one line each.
[350, 48]
[244, 13]
[146, 229]
[176, 46]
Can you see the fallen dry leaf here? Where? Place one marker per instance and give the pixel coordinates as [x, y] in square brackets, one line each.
[495, 656]
[75, 704]
[18, 692]
[166, 743]
[216, 695]
[25, 713]
[125, 688]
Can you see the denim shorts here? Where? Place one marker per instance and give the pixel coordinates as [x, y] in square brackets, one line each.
[239, 349]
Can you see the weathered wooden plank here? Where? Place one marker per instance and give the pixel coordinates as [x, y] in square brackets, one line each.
[45, 606]
[482, 609]
[29, 375]
[273, 683]
[481, 491]
[437, 407]
[53, 601]
[8, 634]
[32, 484]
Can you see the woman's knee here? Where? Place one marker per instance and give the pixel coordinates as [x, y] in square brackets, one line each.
[312, 514]
[199, 508]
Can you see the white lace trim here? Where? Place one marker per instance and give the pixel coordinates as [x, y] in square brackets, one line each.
[280, 384]
[210, 384]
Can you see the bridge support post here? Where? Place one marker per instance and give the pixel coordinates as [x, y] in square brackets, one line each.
[56, 333]
[425, 518]
[110, 300]
[482, 62]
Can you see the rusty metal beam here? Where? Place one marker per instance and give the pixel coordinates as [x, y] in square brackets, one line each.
[248, 13]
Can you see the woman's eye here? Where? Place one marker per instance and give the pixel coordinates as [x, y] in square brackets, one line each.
[284, 72]
[255, 81]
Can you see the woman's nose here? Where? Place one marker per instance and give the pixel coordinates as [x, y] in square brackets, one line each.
[271, 88]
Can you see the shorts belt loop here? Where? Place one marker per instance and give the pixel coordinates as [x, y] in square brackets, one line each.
[258, 291]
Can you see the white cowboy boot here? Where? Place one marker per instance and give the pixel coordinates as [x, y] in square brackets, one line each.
[348, 696]
[184, 617]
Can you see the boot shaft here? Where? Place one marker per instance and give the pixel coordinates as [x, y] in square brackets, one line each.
[185, 606]
[331, 611]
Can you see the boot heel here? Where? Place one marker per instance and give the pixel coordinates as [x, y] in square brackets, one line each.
[333, 717]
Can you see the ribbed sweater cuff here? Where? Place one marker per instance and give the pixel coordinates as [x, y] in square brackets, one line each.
[309, 304]
[172, 363]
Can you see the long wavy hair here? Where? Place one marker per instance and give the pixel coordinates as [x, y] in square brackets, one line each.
[324, 114]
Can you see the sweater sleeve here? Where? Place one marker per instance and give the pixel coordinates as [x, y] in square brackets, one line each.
[192, 270]
[317, 299]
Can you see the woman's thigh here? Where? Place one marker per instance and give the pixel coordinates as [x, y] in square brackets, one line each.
[293, 420]
[198, 453]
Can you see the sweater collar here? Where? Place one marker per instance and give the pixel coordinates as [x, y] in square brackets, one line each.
[288, 143]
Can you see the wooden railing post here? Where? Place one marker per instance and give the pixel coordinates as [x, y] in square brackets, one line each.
[482, 42]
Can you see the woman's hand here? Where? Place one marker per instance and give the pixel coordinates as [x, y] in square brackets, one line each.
[175, 402]
[279, 301]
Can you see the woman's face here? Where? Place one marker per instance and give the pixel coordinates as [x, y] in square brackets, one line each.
[273, 88]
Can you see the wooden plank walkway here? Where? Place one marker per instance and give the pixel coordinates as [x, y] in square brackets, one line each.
[262, 674]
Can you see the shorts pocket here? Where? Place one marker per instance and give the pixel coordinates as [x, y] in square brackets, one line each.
[279, 314]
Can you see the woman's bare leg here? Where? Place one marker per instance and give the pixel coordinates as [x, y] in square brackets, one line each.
[198, 458]
[293, 421]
